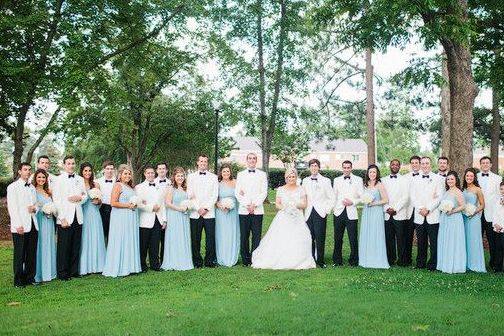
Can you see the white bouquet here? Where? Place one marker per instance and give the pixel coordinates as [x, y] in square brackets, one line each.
[228, 203]
[95, 193]
[470, 209]
[136, 200]
[290, 207]
[49, 209]
[366, 199]
[190, 204]
[446, 205]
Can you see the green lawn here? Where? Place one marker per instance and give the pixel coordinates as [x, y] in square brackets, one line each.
[245, 301]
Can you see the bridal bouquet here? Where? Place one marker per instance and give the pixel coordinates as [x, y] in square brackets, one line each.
[95, 193]
[228, 203]
[366, 199]
[290, 207]
[49, 209]
[446, 205]
[189, 204]
[470, 209]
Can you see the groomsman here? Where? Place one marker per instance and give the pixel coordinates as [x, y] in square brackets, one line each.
[348, 190]
[490, 184]
[44, 163]
[425, 194]
[320, 197]
[22, 207]
[498, 224]
[203, 186]
[443, 166]
[410, 227]
[152, 219]
[396, 214]
[106, 183]
[251, 191]
[69, 195]
[163, 182]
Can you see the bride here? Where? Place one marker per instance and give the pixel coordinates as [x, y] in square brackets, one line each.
[287, 244]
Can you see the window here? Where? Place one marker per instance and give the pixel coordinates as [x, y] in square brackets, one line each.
[355, 157]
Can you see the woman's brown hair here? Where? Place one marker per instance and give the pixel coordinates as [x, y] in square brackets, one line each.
[176, 171]
[222, 167]
[120, 171]
[46, 184]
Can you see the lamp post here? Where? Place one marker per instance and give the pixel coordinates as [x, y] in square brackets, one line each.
[216, 143]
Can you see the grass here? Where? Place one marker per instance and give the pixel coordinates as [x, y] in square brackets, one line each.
[241, 300]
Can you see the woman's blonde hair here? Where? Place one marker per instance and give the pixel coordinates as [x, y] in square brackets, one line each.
[121, 170]
[289, 171]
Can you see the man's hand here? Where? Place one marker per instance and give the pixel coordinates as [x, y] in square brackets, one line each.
[20, 230]
[424, 212]
[163, 226]
[156, 208]
[498, 227]
[75, 198]
[96, 201]
[64, 223]
[391, 212]
[202, 212]
[32, 208]
[347, 202]
[251, 208]
[242, 193]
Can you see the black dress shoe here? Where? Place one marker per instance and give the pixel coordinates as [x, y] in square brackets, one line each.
[19, 286]
[322, 265]
[210, 265]
[337, 264]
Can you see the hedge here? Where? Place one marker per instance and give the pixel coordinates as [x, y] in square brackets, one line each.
[276, 176]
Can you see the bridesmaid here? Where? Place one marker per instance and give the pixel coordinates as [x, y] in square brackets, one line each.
[372, 248]
[474, 241]
[227, 226]
[123, 251]
[177, 253]
[92, 257]
[451, 246]
[46, 246]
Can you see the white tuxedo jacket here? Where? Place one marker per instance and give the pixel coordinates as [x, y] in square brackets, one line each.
[409, 178]
[65, 187]
[490, 186]
[498, 213]
[351, 188]
[19, 197]
[153, 195]
[398, 196]
[106, 186]
[254, 186]
[426, 192]
[205, 189]
[319, 194]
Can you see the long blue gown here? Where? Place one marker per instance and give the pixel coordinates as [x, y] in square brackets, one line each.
[177, 252]
[372, 248]
[46, 245]
[451, 247]
[474, 240]
[123, 250]
[227, 230]
[92, 258]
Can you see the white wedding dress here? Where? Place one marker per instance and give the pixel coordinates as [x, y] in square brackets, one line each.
[287, 244]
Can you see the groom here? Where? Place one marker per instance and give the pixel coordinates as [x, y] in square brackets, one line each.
[320, 198]
[251, 191]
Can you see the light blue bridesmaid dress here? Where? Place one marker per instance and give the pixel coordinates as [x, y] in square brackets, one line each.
[123, 250]
[372, 249]
[177, 253]
[451, 247]
[46, 244]
[474, 241]
[227, 230]
[92, 258]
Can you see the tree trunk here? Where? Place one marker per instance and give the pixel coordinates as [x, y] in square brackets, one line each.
[262, 87]
[463, 92]
[495, 138]
[18, 139]
[370, 118]
[445, 110]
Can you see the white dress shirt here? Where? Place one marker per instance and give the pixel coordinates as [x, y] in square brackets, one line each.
[106, 186]
[490, 186]
[319, 194]
[253, 183]
[204, 187]
[351, 188]
[20, 195]
[409, 178]
[153, 194]
[164, 183]
[426, 192]
[65, 187]
[398, 196]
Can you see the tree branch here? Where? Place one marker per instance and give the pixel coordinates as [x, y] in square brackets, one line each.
[43, 133]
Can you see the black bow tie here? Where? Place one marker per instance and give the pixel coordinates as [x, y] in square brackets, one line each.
[416, 174]
[108, 181]
[314, 179]
[425, 176]
[393, 176]
[152, 184]
[71, 175]
[251, 170]
[27, 184]
[441, 174]
[162, 181]
[485, 174]
[346, 177]
[202, 173]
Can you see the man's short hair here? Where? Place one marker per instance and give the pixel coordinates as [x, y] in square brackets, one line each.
[347, 162]
[42, 157]
[107, 163]
[314, 161]
[415, 157]
[68, 157]
[486, 158]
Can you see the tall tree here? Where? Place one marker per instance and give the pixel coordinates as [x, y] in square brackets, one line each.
[370, 115]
